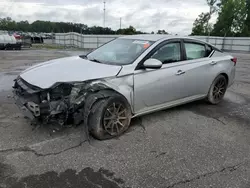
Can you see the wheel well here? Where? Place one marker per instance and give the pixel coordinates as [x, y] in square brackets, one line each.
[226, 76]
[110, 92]
[103, 90]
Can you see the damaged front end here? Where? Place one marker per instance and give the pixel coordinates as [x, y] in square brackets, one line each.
[62, 104]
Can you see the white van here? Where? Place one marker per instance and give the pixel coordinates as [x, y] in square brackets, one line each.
[9, 42]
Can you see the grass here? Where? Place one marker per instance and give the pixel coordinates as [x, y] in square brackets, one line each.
[52, 47]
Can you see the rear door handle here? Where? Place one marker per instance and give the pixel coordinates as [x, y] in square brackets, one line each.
[180, 72]
[213, 63]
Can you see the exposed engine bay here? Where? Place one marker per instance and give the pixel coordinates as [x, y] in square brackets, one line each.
[64, 103]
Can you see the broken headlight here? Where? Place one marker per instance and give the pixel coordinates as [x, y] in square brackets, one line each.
[61, 91]
[74, 92]
[78, 93]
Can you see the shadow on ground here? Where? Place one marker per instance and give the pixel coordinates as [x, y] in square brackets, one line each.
[68, 179]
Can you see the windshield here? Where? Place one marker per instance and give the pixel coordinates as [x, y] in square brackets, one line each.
[119, 51]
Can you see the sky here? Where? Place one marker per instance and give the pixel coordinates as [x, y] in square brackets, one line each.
[174, 16]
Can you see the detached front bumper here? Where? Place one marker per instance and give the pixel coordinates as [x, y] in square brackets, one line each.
[64, 103]
[21, 104]
[29, 109]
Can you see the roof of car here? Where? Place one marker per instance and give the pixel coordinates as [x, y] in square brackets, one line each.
[151, 37]
[156, 37]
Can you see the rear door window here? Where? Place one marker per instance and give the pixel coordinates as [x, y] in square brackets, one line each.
[195, 50]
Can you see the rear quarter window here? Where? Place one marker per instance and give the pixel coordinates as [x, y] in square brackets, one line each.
[208, 50]
[195, 51]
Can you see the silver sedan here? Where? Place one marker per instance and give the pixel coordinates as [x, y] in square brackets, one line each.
[125, 78]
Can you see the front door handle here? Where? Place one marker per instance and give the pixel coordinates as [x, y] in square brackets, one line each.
[213, 63]
[180, 72]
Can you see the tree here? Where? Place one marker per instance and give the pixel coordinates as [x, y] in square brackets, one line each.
[127, 31]
[56, 27]
[7, 24]
[240, 16]
[212, 10]
[162, 32]
[212, 6]
[248, 13]
[231, 19]
[23, 26]
[246, 29]
[200, 26]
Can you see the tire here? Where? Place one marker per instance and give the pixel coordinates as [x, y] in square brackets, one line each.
[100, 121]
[217, 90]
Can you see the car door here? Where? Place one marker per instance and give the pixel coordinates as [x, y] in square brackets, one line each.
[198, 67]
[154, 88]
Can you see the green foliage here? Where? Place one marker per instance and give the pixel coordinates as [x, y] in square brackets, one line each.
[128, 31]
[7, 23]
[246, 28]
[233, 19]
[212, 6]
[200, 25]
[60, 27]
[162, 32]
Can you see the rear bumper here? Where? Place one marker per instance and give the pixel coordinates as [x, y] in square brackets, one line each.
[232, 76]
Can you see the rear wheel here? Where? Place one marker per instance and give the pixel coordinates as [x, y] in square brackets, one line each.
[217, 90]
[109, 117]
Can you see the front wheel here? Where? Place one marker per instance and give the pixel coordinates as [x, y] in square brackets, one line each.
[109, 118]
[217, 90]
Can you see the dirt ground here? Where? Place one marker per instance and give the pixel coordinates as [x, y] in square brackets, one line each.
[194, 145]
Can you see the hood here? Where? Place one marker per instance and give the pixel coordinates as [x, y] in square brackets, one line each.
[69, 69]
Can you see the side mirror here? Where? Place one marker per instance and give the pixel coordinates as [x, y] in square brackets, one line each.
[152, 64]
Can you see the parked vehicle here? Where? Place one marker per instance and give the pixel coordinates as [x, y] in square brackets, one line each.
[26, 41]
[9, 42]
[37, 40]
[125, 78]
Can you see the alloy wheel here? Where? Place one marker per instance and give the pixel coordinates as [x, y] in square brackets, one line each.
[219, 89]
[115, 119]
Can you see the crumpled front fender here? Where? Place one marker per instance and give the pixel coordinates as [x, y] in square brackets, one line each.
[122, 85]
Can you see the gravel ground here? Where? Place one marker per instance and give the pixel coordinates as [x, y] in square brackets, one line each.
[194, 145]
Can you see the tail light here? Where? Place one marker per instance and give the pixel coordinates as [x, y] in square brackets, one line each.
[234, 60]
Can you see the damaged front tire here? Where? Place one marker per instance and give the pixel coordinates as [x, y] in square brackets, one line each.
[109, 117]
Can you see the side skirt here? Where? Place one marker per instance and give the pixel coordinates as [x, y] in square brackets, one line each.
[169, 105]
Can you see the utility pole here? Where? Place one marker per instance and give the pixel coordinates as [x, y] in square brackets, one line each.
[104, 12]
[120, 23]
